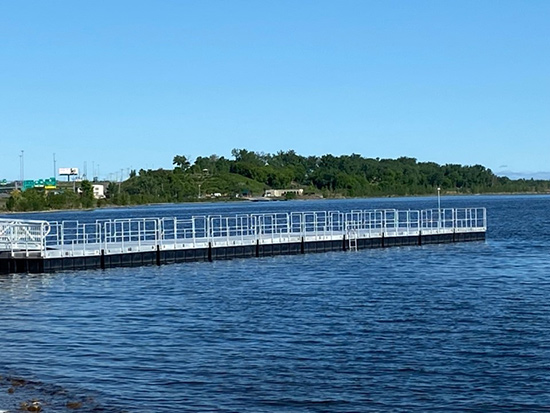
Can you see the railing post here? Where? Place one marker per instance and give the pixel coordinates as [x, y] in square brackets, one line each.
[193, 235]
[227, 230]
[43, 239]
[158, 233]
[99, 235]
[208, 229]
[288, 227]
[62, 235]
[106, 234]
[122, 235]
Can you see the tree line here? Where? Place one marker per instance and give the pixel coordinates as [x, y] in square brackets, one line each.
[250, 173]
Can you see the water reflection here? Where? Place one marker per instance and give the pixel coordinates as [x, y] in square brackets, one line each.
[24, 286]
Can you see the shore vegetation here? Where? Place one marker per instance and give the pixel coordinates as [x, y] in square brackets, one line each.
[248, 174]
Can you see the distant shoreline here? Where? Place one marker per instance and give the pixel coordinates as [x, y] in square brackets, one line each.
[235, 201]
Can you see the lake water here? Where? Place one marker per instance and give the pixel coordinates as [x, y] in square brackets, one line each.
[433, 328]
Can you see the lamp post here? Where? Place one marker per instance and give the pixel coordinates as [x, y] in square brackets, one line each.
[202, 177]
[438, 207]
[22, 167]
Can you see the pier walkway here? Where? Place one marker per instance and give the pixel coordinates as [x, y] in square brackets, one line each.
[44, 246]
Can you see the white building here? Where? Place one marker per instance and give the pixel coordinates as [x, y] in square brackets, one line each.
[278, 193]
[99, 191]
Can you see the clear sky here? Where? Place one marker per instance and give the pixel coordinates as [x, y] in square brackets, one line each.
[130, 84]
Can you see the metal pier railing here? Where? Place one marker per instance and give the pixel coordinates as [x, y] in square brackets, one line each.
[31, 238]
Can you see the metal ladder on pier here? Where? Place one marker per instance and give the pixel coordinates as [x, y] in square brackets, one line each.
[352, 239]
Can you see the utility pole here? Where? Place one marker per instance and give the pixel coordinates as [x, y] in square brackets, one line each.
[54, 168]
[22, 167]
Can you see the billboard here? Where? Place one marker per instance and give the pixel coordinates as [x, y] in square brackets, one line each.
[67, 171]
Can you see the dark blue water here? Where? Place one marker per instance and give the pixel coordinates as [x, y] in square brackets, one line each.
[433, 328]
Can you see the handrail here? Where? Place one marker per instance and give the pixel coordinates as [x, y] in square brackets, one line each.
[34, 236]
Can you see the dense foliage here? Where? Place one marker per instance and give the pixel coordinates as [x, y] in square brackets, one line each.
[250, 173]
[38, 199]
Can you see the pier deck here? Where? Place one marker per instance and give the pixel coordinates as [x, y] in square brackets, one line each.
[43, 246]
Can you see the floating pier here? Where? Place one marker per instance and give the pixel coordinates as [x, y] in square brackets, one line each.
[43, 246]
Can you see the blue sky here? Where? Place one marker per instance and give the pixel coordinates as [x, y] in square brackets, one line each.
[130, 84]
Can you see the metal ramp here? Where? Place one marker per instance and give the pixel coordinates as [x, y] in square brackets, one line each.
[23, 236]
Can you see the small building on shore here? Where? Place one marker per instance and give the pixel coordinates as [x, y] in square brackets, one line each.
[99, 191]
[278, 193]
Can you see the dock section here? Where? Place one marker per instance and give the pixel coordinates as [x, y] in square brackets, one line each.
[43, 246]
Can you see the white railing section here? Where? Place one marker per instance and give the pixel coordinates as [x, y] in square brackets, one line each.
[72, 238]
[23, 235]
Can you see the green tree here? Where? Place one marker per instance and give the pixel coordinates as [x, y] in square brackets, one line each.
[181, 162]
[87, 194]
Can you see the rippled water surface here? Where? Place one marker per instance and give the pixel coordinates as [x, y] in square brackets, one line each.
[440, 327]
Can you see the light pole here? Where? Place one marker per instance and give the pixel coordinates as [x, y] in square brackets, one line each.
[22, 167]
[438, 207]
[202, 177]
